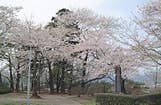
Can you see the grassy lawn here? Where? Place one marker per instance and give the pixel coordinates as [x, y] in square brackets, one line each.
[90, 102]
[19, 104]
[20, 99]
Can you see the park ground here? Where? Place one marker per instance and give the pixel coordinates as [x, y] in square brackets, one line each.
[20, 99]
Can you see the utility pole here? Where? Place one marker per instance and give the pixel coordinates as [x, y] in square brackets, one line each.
[28, 79]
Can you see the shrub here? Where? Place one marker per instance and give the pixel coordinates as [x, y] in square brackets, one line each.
[98, 87]
[135, 88]
[116, 99]
[4, 89]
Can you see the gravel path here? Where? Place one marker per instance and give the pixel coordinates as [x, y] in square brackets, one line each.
[46, 99]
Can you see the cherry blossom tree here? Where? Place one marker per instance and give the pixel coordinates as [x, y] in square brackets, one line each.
[121, 61]
[86, 34]
[46, 45]
[28, 36]
[94, 47]
[143, 34]
[149, 22]
[79, 36]
[8, 21]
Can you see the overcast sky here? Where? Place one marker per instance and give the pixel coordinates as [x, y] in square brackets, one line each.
[42, 10]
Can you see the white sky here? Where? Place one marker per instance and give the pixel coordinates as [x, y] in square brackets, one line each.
[41, 11]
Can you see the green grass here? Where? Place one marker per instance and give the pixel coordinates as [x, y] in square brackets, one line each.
[19, 104]
[90, 102]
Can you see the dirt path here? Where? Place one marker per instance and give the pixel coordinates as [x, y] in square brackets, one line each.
[46, 99]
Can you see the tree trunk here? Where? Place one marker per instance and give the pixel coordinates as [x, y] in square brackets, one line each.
[34, 90]
[123, 85]
[0, 79]
[57, 82]
[83, 76]
[62, 81]
[18, 83]
[18, 79]
[118, 79]
[82, 87]
[39, 76]
[11, 75]
[156, 80]
[34, 78]
[22, 88]
[51, 82]
[104, 88]
[70, 84]
[38, 83]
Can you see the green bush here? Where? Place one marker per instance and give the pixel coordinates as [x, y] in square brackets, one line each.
[4, 89]
[115, 99]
